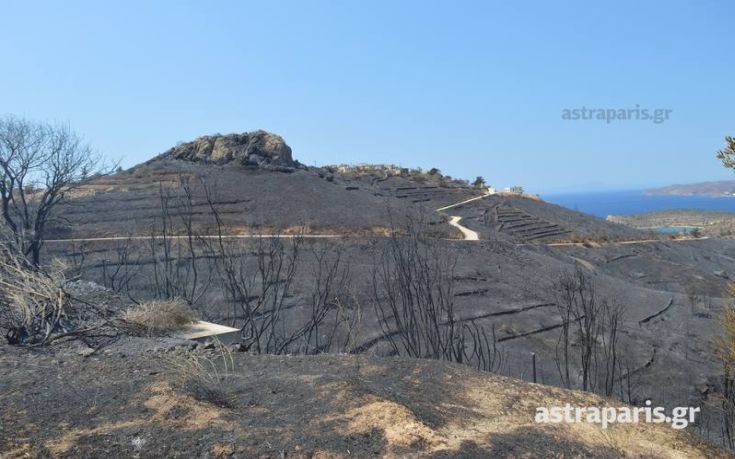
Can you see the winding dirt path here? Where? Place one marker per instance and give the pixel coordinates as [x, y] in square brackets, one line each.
[469, 235]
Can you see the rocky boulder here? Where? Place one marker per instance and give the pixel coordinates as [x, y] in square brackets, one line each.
[258, 148]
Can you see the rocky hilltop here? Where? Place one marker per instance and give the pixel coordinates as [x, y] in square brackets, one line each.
[257, 148]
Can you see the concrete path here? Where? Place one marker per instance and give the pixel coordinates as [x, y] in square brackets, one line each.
[202, 330]
[469, 235]
[457, 204]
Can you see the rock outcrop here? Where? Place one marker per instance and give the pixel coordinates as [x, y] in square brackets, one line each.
[257, 148]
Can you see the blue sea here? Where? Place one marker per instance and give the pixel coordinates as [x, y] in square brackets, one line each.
[603, 204]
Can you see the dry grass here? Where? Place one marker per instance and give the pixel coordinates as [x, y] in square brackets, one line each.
[160, 400]
[31, 301]
[724, 346]
[205, 377]
[402, 430]
[160, 317]
[725, 342]
[296, 407]
[616, 438]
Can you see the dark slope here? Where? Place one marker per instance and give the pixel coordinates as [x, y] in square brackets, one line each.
[249, 199]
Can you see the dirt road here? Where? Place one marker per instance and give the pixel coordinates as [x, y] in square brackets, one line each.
[469, 235]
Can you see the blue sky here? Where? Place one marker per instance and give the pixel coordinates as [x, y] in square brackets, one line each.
[473, 88]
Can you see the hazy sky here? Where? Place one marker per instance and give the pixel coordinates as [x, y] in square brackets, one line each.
[473, 88]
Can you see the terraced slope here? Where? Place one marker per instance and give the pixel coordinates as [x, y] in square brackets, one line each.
[414, 190]
[248, 200]
[524, 226]
[583, 225]
[527, 220]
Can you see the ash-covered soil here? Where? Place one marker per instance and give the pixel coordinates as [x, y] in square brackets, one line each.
[672, 293]
[133, 401]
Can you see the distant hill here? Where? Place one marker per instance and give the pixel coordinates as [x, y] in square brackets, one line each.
[257, 186]
[719, 188]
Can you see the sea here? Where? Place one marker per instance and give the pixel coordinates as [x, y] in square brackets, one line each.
[602, 204]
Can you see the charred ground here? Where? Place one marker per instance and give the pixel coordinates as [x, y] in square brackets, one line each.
[116, 231]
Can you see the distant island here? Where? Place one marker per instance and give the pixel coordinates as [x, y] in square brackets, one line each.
[718, 188]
